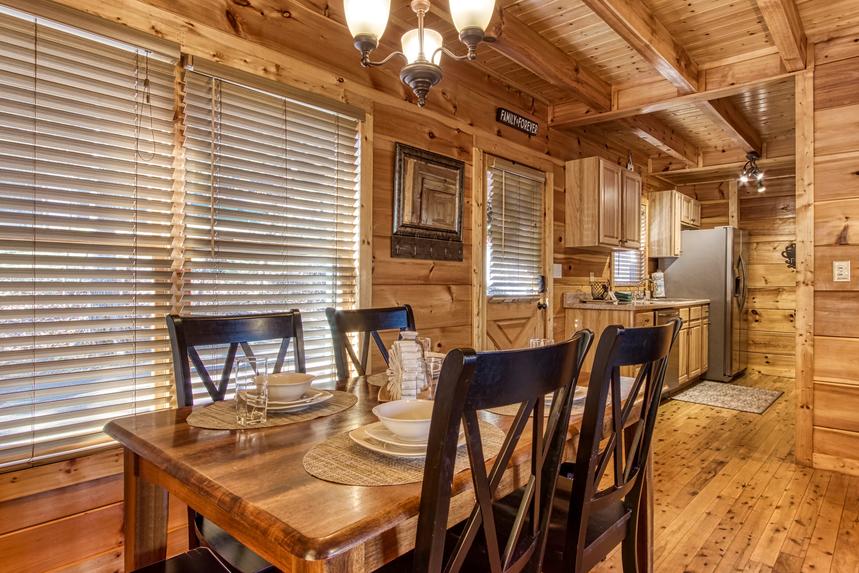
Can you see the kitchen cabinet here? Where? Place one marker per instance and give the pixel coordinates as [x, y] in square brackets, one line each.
[690, 352]
[670, 212]
[602, 205]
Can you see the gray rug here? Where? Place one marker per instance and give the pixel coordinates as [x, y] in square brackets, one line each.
[722, 395]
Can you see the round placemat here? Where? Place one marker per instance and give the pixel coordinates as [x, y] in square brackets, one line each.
[340, 460]
[222, 415]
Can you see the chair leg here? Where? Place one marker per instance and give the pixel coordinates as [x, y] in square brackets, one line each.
[193, 540]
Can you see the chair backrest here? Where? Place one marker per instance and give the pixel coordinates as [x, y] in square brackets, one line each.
[470, 382]
[367, 321]
[625, 433]
[189, 333]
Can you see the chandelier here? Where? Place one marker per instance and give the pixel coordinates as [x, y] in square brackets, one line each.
[421, 47]
[751, 171]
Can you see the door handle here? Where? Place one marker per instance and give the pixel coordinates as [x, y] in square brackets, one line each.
[542, 305]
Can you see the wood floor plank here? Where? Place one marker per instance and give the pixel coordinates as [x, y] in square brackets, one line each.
[729, 496]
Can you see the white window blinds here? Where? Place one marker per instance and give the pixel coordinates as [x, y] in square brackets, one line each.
[514, 230]
[630, 267]
[272, 204]
[85, 190]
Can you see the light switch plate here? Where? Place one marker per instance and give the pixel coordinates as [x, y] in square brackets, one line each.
[841, 271]
[557, 270]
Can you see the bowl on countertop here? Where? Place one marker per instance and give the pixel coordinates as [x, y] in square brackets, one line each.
[408, 418]
[288, 386]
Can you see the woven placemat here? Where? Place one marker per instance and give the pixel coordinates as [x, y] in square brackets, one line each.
[222, 415]
[340, 460]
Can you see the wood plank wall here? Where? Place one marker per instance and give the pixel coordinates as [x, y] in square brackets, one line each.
[770, 220]
[835, 400]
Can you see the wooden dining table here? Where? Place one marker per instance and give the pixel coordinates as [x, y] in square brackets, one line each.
[252, 483]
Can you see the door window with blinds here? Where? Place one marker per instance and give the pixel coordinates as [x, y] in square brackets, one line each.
[85, 170]
[514, 221]
[271, 211]
[630, 267]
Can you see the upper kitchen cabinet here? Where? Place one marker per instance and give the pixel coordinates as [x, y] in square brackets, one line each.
[670, 212]
[603, 202]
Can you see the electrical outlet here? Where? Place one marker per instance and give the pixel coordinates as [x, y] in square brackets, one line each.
[557, 270]
[841, 271]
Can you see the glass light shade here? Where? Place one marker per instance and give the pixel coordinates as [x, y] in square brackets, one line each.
[367, 17]
[471, 13]
[412, 45]
[760, 175]
[744, 178]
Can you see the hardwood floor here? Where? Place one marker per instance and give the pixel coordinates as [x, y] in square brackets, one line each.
[729, 496]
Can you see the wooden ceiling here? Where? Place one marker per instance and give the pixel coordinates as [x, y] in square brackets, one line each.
[658, 75]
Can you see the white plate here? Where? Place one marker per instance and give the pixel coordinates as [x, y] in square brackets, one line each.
[360, 437]
[380, 433]
[311, 398]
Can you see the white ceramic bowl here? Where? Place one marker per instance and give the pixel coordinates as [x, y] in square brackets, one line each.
[408, 419]
[288, 386]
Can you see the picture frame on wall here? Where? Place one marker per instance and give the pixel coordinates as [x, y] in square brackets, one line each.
[428, 199]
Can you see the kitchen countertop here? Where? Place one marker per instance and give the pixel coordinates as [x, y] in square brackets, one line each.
[652, 304]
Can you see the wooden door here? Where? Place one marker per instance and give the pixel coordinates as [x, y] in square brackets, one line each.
[695, 339]
[510, 317]
[610, 204]
[683, 354]
[631, 211]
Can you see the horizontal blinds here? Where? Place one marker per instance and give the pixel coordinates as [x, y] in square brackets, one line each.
[271, 210]
[85, 270]
[630, 267]
[514, 233]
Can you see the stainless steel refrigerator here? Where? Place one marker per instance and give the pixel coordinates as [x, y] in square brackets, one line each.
[713, 265]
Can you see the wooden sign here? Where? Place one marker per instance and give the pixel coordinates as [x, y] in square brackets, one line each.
[516, 121]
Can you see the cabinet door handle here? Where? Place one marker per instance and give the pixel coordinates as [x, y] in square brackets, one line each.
[542, 306]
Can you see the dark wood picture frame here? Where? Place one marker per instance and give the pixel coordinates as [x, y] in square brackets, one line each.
[428, 199]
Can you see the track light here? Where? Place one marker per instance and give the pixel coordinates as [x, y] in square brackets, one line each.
[752, 171]
[761, 187]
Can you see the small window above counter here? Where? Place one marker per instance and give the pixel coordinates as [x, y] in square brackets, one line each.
[670, 213]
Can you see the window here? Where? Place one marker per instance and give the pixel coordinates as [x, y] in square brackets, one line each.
[514, 230]
[630, 267]
[100, 237]
[271, 210]
[85, 222]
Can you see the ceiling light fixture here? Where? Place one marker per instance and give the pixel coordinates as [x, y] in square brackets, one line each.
[422, 47]
[761, 187]
[751, 171]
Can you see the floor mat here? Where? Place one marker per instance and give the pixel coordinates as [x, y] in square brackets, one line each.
[723, 395]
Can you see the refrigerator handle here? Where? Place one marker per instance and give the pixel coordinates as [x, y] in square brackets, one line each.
[740, 288]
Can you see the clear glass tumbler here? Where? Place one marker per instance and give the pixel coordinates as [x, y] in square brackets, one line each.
[251, 384]
[539, 342]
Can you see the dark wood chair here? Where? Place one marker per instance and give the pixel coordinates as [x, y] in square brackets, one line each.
[493, 540]
[187, 334]
[199, 560]
[366, 321]
[598, 508]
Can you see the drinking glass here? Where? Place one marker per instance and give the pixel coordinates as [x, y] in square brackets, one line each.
[251, 383]
[539, 342]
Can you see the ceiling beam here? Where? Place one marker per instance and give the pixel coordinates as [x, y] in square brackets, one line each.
[663, 138]
[640, 28]
[778, 168]
[785, 27]
[727, 116]
[534, 52]
[569, 114]
[637, 25]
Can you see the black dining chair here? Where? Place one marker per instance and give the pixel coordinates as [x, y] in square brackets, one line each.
[597, 505]
[187, 334]
[369, 322]
[491, 540]
[199, 560]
